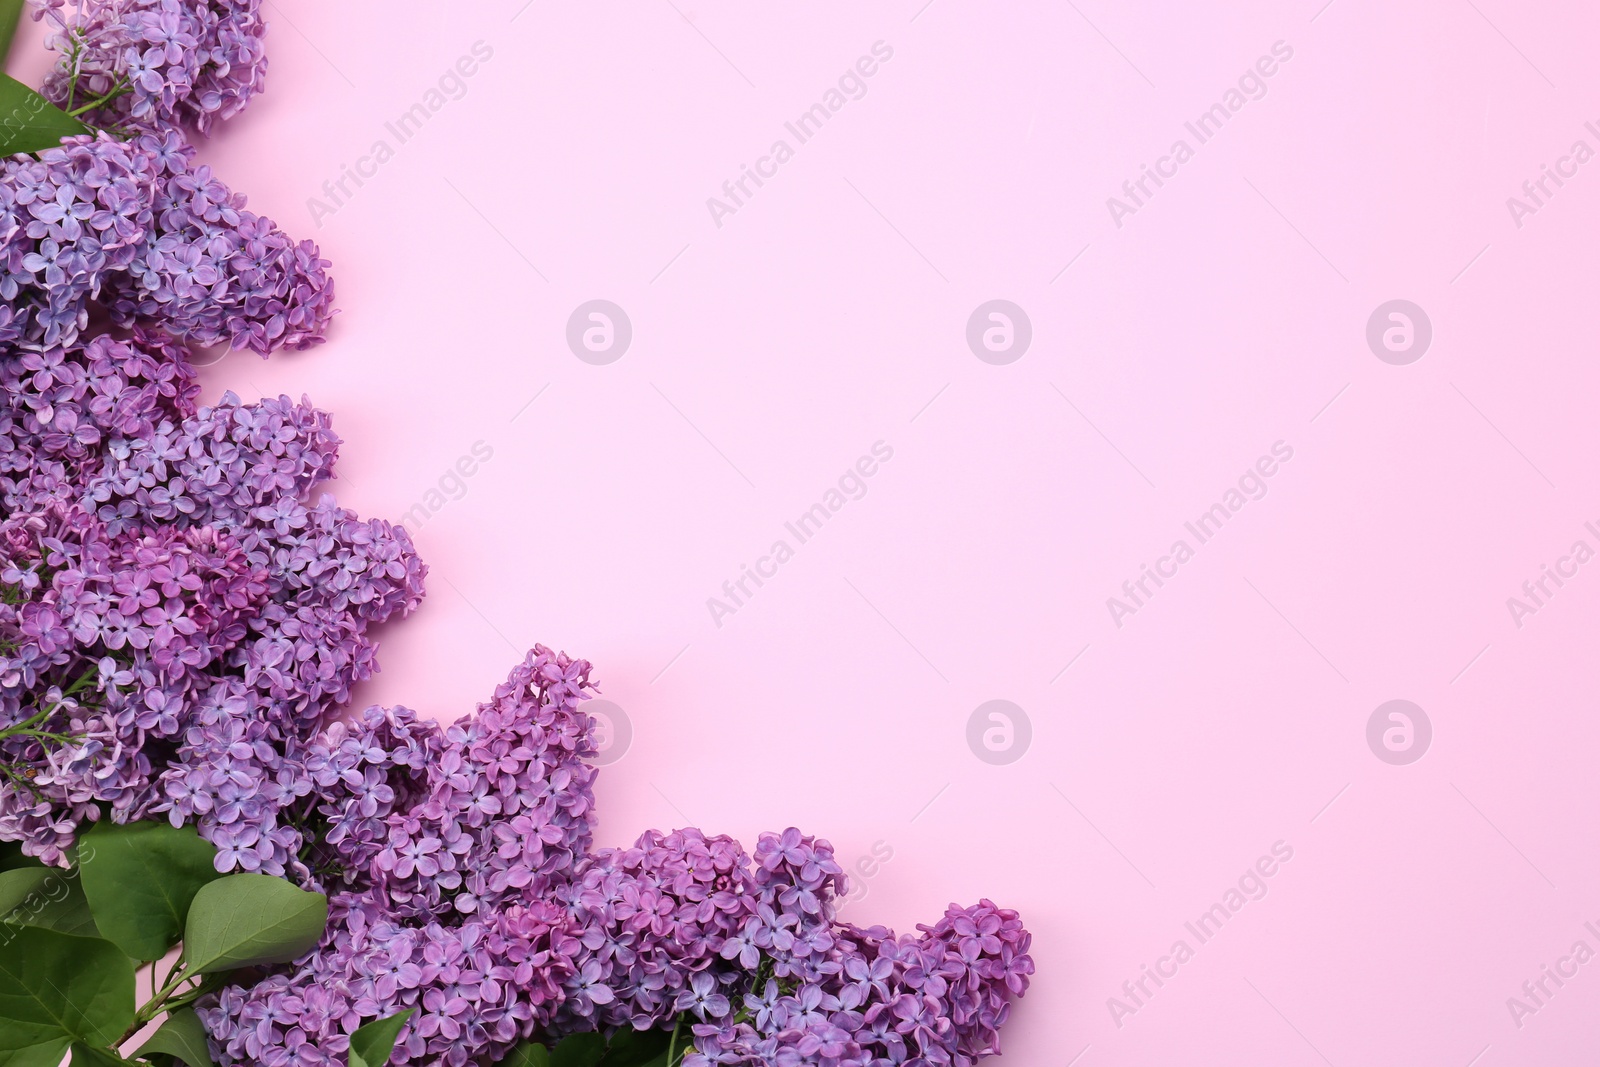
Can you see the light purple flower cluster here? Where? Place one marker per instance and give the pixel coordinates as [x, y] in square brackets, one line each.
[442, 848]
[177, 622]
[936, 998]
[155, 65]
[509, 801]
[62, 407]
[646, 920]
[477, 988]
[137, 230]
[465, 888]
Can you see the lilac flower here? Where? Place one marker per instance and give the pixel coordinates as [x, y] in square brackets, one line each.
[212, 271]
[51, 264]
[477, 988]
[703, 998]
[586, 989]
[136, 229]
[170, 604]
[164, 63]
[745, 946]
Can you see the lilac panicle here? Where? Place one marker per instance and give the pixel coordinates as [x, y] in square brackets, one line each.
[173, 602]
[214, 272]
[136, 229]
[467, 889]
[163, 64]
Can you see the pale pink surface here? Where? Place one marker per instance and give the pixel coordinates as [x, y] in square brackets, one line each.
[1220, 719]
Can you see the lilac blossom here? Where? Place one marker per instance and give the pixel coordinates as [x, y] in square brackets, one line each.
[449, 838]
[179, 622]
[155, 65]
[213, 272]
[139, 231]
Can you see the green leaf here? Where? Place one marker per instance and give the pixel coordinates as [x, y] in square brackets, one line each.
[47, 897]
[637, 1048]
[56, 989]
[140, 879]
[526, 1053]
[246, 919]
[372, 1044]
[47, 1054]
[16, 887]
[84, 1056]
[10, 15]
[579, 1050]
[182, 1037]
[29, 122]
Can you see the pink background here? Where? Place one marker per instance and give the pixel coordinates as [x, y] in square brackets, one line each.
[829, 313]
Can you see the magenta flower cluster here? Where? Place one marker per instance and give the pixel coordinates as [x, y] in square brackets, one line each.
[156, 64]
[464, 886]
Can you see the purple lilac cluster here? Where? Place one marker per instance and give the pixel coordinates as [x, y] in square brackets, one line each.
[178, 620]
[509, 803]
[464, 887]
[139, 233]
[938, 997]
[129, 231]
[441, 852]
[477, 988]
[155, 65]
